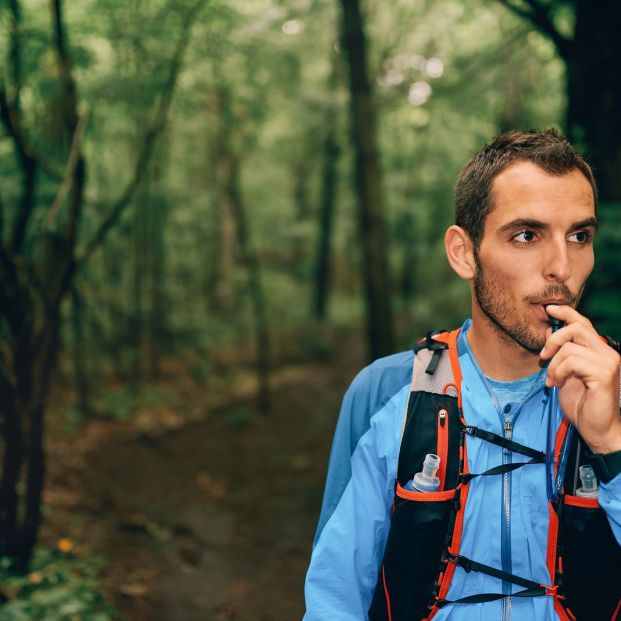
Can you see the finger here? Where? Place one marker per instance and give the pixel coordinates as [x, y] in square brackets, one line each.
[567, 313]
[573, 333]
[572, 366]
[588, 365]
[568, 349]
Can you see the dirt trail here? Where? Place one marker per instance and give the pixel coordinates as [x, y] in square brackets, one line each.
[214, 520]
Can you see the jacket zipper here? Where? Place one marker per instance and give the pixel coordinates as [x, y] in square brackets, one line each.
[442, 448]
[506, 517]
[507, 425]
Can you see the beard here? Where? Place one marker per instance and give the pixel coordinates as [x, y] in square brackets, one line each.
[499, 309]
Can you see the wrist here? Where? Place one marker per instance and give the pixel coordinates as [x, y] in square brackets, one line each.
[609, 443]
[605, 465]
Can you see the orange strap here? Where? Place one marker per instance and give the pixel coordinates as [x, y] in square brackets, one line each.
[552, 552]
[450, 338]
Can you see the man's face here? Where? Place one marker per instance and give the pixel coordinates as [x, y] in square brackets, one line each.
[537, 249]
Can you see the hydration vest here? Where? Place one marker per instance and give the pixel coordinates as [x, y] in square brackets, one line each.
[423, 546]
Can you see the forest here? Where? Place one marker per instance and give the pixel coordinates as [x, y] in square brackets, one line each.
[212, 215]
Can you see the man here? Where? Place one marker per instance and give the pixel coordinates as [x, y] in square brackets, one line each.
[507, 536]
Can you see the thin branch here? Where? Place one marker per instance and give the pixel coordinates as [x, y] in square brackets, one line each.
[16, 53]
[64, 65]
[28, 164]
[539, 16]
[75, 176]
[68, 179]
[10, 119]
[2, 213]
[158, 124]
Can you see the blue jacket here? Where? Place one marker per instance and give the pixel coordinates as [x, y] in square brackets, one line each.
[355, 516]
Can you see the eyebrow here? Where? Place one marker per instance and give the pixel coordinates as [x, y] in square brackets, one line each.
[541, 226]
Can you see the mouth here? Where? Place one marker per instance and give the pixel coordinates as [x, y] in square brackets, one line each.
[540, 306]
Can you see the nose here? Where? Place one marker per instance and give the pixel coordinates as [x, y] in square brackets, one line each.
[558, 267]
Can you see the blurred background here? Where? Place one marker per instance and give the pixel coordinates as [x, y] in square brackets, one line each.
[213, 214]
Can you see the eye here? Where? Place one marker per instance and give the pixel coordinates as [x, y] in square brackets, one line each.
[524, 237]
[580, 237]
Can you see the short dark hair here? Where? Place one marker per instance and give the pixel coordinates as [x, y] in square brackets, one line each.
[473, 191]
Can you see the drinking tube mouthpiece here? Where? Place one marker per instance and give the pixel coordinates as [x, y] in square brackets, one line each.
[554, 480]
[555, 324]
[589, 487]
[426, 480]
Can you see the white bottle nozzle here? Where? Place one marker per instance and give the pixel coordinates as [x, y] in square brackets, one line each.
[427, 481]
[589, 482]
[430, 466]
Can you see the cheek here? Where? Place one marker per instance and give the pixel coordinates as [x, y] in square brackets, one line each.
[513, 283]
[510, 277]
[584, 266]
[590, 264]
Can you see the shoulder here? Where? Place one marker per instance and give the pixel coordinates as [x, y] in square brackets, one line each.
[374, 387]
[378, 382]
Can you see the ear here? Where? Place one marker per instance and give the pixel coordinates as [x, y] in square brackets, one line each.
[460, 252]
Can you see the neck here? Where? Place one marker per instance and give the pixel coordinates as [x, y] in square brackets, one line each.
[498, 355]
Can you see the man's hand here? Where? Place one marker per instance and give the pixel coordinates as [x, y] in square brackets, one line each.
[586, 371]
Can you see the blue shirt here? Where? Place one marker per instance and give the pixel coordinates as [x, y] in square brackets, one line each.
[355, 516]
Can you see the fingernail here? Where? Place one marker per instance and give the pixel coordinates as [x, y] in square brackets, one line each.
[552, 306]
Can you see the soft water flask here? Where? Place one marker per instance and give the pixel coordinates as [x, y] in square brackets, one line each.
[426, 480]
[589, 483]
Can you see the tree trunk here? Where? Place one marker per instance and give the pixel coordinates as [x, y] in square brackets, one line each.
[226, 234]
[368, 185]
[11, 467]
[255, 287]
[80, 365]
[136, 325]
[232, 204]
[592, 119]
[25, 383]
[594, 91]
[331, 154]
[158, 312]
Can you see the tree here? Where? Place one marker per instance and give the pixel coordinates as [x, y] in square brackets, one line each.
[368, 184]
[38, 264]
[593, 81]
[229, 163]
[331, 154]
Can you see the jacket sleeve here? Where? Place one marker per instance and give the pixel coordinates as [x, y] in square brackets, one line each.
[610, 501]
[347, 554]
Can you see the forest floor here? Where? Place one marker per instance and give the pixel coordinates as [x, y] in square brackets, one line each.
[204, 510]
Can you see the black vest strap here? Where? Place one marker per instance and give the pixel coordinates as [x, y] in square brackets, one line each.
[469, 565]
[537, 456]
[532, 589]
[481, 598]
[468, 476]
[436, 347]
[516, 447]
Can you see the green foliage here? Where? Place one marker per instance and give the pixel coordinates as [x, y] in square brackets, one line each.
[170, 280]
[238, 416]
[59, 587]
[119, 403]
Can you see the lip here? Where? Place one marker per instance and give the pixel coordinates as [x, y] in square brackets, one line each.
[540, 307]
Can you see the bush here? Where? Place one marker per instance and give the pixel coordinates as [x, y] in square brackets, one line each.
[59, 587]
